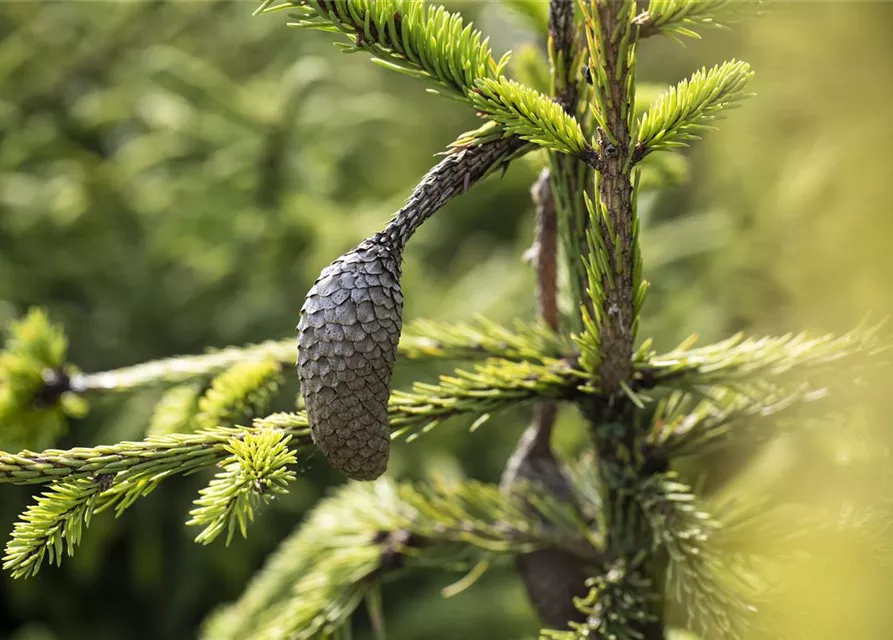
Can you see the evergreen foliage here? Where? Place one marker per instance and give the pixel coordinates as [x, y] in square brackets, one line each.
[643, 533]
[530, 115]
[175, 411]
[34, 398]
[366, 531]
[680, 17]
[255, 472]
[683, 111]
[410, 37]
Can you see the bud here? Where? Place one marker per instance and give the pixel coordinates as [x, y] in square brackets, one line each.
[349, 329]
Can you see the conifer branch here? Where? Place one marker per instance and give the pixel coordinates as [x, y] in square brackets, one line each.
[739, 359]
[239, 394]
[614, 262]
[421, 340]
[411, 37]
[257, 455]
[487, 388]
[684, 111]
[679, 17]
[51, 526]
[482, 338]
[350, 540]
[132, 462]
[697, 576]
[129, 471]
[532, 116]
[684, 425]
[255, 473]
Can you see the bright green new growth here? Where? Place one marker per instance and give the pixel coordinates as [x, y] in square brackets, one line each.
[411, 37]
[239, 394]
[529, 114]
[678, 17]
[255, 473]
[51, 527]
[175, 411]
[684, 111]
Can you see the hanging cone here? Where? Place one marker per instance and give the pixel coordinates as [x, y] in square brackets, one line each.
[551, 577]
[349, 330]
[351, 320]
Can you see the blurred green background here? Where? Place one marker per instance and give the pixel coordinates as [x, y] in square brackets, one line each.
[173, 176]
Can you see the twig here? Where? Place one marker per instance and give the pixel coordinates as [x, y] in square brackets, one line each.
[545, 250]
[646, 25]
[451, 177]
[562, 36]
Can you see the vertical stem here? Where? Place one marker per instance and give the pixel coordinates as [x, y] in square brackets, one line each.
[562, 36]
[546, 250]
[553, 578]
[536, 440]
[615, 193]
[614, 229]
[570, 177]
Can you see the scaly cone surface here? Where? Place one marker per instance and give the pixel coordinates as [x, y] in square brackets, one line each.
[349, 330]
[352, 316]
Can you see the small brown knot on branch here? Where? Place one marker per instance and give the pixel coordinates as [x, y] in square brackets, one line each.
[54, 382]
[105, 481]
[592, 158]
[394, 545]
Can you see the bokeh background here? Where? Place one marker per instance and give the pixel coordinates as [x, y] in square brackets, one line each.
[173, 176]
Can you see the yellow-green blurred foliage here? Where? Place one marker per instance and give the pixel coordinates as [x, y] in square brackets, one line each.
[798, 182]
[174, 175]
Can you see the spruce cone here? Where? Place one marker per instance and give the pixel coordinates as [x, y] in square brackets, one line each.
[351, 319]
[551, 577]
[349, 330]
